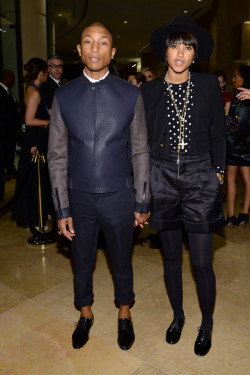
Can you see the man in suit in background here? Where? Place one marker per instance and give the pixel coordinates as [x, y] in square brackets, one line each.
[97, 130]
[48, 89]
[9, 121]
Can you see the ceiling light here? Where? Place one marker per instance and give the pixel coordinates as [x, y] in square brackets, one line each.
[185, 11]
[125, 21]
[59, 14]
[118, 36]
[247, 22]
[133, 65]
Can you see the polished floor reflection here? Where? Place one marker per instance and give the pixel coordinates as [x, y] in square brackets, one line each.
[37, 314]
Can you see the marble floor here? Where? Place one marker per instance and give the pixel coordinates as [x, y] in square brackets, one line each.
[37, 315]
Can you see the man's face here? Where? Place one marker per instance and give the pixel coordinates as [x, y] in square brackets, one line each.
[55, 68]
[96, 50]
[10, 80]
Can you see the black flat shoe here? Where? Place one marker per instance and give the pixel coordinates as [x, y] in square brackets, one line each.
[203, 342]
[126, 336]
[230, 220]
[173, 333]
[81, 333]
[242, 219]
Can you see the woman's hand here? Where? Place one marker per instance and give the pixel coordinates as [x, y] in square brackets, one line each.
[46, 123]
[243, 94]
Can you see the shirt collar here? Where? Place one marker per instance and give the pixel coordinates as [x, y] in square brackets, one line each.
[5, 87]
[95, 80]
[56, 80]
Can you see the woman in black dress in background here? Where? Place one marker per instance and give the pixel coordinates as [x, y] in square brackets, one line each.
[238, 147]
[25, 209]
[187, 137]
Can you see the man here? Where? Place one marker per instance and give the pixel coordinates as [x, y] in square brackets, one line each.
[97, 129]
[55, 70]
[9, 121]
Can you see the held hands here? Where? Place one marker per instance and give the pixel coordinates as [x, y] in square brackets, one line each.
[221, 178]
[46, 123]
[66, 227]
[141, 219]
[33, 149]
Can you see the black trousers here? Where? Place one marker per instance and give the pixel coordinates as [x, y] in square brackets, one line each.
[114, 213]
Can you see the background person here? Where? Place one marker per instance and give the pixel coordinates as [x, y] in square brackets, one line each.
[238, 147]
[187, 137]
[227, 98]
[136, 79]
[148, 74]
[54, 81]
[9, 121]
[25, 208]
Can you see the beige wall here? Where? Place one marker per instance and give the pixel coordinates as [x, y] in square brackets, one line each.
[33, 29]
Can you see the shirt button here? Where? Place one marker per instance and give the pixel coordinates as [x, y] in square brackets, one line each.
[92, 88]
[98, 113]
[97, 164]
[97, 139]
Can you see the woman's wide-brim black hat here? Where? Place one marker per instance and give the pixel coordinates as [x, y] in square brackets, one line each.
[182, 24]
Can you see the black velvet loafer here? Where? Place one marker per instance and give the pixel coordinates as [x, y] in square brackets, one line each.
[173, 333]
[126, 336]
[81, 333]
[203, 342]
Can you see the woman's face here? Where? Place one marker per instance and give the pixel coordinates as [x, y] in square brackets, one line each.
[222, 83]
[179, 57]
[237, 79]
[132, 80]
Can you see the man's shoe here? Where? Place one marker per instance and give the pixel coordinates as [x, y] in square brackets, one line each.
[173, 333]
[203, 342]
[81, 333]
[126, 336]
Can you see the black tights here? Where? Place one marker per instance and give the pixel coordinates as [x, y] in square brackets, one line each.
[201, 255]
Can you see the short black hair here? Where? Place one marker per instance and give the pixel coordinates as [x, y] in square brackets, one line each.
[100, 24]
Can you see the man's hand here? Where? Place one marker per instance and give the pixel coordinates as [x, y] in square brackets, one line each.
[141, 219]
[66, 227]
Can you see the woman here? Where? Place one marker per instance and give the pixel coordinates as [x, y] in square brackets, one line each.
[25, 210]
[238, 146]
[137, 79]
[186, 128]
[227, 98]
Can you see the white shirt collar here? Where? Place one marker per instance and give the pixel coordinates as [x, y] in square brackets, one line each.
[5, 87]
[95, 80]
[56, 80]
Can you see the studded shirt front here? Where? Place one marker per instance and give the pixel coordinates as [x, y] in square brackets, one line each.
[173, 122]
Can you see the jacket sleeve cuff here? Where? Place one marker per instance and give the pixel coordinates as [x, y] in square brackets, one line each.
[63, 213]
[142, 208]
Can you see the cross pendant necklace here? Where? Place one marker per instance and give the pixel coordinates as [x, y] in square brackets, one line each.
[181, 116]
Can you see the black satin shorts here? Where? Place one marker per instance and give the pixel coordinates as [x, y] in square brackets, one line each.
[193, 200]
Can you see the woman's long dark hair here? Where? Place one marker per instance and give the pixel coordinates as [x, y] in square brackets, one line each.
[34, 66]
[244, 72]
